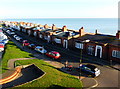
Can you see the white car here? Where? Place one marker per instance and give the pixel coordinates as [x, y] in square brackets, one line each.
[18, 38]
[8, 31]
[5, 41]
[1, 47]
[15, 36]
[40, 49]
[12, 33]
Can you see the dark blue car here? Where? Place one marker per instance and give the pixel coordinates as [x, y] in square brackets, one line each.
[89, 70]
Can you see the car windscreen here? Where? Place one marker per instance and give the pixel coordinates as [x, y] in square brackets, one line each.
[57, 54]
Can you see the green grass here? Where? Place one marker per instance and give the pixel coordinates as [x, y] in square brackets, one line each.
[53, 77]
[12, 52]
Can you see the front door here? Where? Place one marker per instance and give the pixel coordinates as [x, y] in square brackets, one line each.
[98, 53]
[29, 32]
[65, 44]
[48, 39]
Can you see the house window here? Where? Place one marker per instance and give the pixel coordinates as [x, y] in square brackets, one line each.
[79, 45]
[57, 40]
[90, 50]
[116, 53]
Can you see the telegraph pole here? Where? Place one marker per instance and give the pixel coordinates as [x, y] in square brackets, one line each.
[80, 64]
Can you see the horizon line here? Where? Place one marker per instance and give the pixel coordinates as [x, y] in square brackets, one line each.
[61, 18]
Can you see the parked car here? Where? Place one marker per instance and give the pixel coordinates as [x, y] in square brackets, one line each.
[25, 43]
[1, 47]
[8, 31]
[89, 70]
[12, 33]
[14, 36]
[18, 38]
[3, 43]
[5, 40]
[32, 46]
[21, 40]
[40, 49]
[53, 54]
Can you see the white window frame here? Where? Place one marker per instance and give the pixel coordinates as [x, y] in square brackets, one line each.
[48, 38]
[98, 47]
[57, 40]
[79, 45]
[116, 53]
[90, 50]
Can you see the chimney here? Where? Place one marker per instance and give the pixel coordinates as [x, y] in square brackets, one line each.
[81, 31]
[64, 29]
[46, 26]
[96, 31]
[118, 34]
[53, 27]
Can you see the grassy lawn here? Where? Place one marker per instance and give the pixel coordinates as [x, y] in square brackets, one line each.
[12, 52]
[53, 77]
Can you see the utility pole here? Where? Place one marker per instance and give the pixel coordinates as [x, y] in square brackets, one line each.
[80, 64]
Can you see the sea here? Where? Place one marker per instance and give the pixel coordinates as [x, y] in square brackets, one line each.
[108, 26]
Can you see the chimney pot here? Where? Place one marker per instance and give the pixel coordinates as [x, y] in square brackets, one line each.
[64, 29]
[118, 34]
[53, 27]
[46, 26]
[81, 31]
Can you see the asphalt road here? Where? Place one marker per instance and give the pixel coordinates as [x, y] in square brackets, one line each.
[108, 78]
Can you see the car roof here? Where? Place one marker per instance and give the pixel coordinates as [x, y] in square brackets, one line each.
[1, 46]
[39, 47]
[91, 66]
[32, 44]
[54, 52]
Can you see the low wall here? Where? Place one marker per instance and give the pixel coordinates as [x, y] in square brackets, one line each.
[11, 77]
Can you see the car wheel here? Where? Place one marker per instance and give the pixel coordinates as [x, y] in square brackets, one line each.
[93, 76]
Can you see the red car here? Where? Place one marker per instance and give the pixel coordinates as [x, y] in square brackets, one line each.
[53, 54]
[25, 43]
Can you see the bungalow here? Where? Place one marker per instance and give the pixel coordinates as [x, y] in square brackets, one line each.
[26, 26]
[114, 48]
[64, 37]
[47, 32]
[35, 30]
[98, 45]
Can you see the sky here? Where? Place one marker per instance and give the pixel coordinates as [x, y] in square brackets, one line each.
[58, 9]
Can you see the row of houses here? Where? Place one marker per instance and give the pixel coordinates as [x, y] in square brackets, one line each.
[106, 47]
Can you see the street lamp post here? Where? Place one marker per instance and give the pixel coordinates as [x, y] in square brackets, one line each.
[80, 63]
